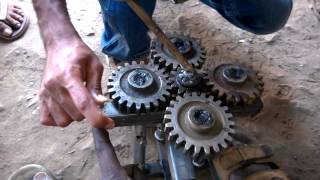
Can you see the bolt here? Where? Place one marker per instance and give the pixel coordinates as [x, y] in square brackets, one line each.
[188, 79]
[140, 79]
[183, 46]
[235, 74]
[203, 118]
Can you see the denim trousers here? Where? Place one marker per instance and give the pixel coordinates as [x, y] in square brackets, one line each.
[125, 36]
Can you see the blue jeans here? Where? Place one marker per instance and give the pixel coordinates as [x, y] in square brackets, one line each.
[126, 37]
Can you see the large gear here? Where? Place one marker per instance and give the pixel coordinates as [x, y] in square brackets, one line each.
[199, 123]
[189, 47]
[236, 84]
[139, 87]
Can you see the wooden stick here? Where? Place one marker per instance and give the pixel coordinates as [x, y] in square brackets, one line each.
[159, 33]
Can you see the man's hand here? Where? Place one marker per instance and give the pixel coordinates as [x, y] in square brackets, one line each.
[71, 87]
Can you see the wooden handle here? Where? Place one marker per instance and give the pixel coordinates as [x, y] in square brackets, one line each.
[159, 33]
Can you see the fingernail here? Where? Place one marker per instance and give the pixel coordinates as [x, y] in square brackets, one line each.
[18, 25]
[110, 125]
[102, 98]
[7, 32]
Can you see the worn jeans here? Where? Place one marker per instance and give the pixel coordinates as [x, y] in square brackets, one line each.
[126, 37]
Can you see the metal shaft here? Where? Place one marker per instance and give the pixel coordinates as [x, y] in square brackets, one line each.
[159, 33]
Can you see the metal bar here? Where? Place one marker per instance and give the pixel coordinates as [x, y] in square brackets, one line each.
[180, 164]
[160, 34]
[140, 147]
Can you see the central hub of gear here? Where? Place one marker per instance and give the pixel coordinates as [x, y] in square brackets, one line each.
[235, 74]
[184, 46]
[200, 119]
[188, 79]
[140, 79]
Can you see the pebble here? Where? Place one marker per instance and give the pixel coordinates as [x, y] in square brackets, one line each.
[2, 108]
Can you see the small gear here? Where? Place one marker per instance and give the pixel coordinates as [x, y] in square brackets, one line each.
[139, 87]
[199, 123]
[180, 88]
[236, 83]
[189, 47]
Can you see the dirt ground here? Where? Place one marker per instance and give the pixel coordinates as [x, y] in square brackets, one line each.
[288, 59]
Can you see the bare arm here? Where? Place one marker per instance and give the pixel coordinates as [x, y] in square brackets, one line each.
[71, 85]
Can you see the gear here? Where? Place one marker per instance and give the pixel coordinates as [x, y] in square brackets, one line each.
[139, 87]
[236, 83]
[198, 122]
[180, 88]
[189, 47]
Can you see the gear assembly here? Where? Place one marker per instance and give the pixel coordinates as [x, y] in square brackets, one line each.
[191, 111]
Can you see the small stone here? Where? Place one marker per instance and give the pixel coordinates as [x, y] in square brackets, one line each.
[2, 108]
[90, 34]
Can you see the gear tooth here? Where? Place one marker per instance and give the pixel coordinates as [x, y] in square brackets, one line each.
[126, 64]
[202, 95]
[219, 102]
[167, 117]
[173, 134]
[211, 98]
[168, 127]
[225, 108]
[224, 144]
[115, 96]
[138, 106]
[179, 140]
[120, 101]
[231, 131]
[229, 138]
[207, 150]
[110, 90]
[129, 104]
[187, 146]
[147, 106]
[215, 147]
[155, 103]
[196, 151]
[229, 115]
[194, 94]
[196, 64]
[162, 99]
[119, 67]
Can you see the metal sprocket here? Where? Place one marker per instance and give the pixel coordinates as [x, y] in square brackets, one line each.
[154, 96]
[245, 91]
[196, 56]
[198, 138]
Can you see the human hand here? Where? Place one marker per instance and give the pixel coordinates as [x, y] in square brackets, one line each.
[71, 87]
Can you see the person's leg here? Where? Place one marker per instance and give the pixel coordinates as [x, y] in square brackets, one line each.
[256, 16]
[125, 36]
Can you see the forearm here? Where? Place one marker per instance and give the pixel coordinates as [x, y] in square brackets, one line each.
[54, 23]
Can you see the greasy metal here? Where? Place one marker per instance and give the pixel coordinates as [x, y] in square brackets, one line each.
[199, 84]
[227, 163]
[235, 83]
[235, 74]
[132, 119]
[140, 147]
[130, 97]
[198, 139]
[140, 79]
[159, 33]
[181, 166]
[189, 47]
[188, 79]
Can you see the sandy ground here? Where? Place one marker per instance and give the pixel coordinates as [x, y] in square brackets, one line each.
[288, 60]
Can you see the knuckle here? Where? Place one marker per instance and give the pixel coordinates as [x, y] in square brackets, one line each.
[82, 105]
[49, 83]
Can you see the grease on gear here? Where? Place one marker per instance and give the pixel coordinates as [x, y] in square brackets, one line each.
[182, 82]
[198, 122]
[139, 87]
[189, 47]
[236, 84]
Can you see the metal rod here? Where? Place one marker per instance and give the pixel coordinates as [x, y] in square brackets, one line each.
[160, 34]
